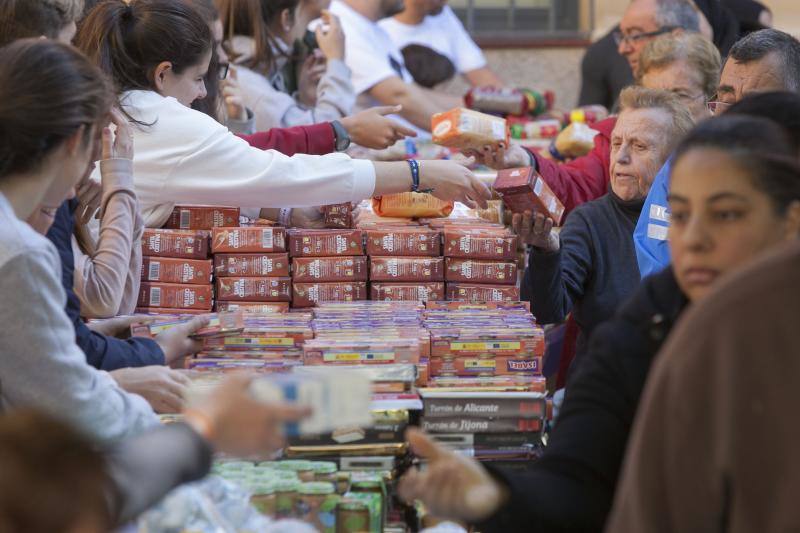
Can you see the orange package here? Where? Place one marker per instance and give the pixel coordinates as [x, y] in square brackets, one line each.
[466, 129]
[411, 205]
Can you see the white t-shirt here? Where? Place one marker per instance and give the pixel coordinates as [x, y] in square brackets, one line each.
[371, 56]
[443, 33]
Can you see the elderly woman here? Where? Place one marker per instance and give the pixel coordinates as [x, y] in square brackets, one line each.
[590, 268]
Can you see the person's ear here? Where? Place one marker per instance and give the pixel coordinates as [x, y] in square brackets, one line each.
[287, 20]
[792, 224]
[160, 74]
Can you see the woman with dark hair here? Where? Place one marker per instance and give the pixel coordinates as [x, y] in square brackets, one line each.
[733, 196]
[157, 53]
[261, 37]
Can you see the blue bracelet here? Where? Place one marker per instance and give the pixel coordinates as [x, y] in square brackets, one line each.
[414, 166]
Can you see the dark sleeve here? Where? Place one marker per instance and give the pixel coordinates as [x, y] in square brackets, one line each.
[102, 352]
[571, 487]
[316, 139]
[145, 468]
[594, 89]
[554, 281]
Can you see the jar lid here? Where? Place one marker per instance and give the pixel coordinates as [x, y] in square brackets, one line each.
[324, 467]
[341, 476]
[296, 465]
[263, 489]
[286, 485]
[289, 475]
[317, 487]
[352, 506]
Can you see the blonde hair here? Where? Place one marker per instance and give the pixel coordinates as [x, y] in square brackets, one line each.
[633, 98]
[700, 53]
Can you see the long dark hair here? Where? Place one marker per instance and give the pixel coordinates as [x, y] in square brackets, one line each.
[48, 91]
[769, 157]
[128, 41]
[253, 18]
[210, 105]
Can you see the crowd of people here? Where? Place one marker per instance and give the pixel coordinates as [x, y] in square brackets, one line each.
[677, 260]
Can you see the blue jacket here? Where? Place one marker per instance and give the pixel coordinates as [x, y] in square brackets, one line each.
[650, 235]
[102, 352]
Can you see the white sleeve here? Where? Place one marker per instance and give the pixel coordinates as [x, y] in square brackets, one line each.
[223, 169]
[43, 368]
[468, 55]
[369, 63]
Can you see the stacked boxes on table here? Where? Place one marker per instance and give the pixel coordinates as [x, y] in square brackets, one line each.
[252, 268]
[327, 266]
[176, 272]
[405, 263]
[486, 393]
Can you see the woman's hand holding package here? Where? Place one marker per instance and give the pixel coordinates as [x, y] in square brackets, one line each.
[235, 423]
[454, 181]
[451, 486]
[162, 387]
[232, 96]
[176, 343]
[372, 129]
[330, 36]
[536, 230]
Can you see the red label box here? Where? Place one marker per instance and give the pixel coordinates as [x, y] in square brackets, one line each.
[338, 215]
[185, 244]
[256, 239]
[416, 269]
[311, 269]
[174, 296]
[480, 271]
[482, 293]
[172, 270]
[501, 365]
[259, 289]
[523, 189]
[310, 294]
[249, 265]
[480, 244]
[404, 242]
[404, 292]
[255, 308]
[325, 242]
[202, 217]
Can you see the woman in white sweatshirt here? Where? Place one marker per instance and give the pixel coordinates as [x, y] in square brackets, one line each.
[157, 53]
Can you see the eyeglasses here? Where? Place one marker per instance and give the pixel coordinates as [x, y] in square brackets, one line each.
[717, 108]
[223, 71]
[633, 38]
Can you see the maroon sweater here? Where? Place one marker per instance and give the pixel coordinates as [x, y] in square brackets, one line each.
[316, 139]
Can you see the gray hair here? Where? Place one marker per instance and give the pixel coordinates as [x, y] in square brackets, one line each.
[758, 45]
[677, 14]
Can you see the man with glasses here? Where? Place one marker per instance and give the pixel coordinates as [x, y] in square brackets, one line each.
[764, 61]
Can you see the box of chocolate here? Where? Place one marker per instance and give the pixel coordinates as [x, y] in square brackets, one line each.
[401, 241]
[402, 292]
[175, 296]
[325, 242]
[255, 239]
[499, 245]
[523, 189]
[310, 294]
[478, 306]
[500, 365]
[248, 265]
[439, 404]
[360, 352]
[338, 215]
[254, 308]
[481, 271]
[488, 440]
[185, 244]
[219, 325]
[174, 270]
[494, 342]
[168, 311]
[202, 217]
[463, 128]
[481, 293]
[416, 269]
[481, 425]
[311, 269]
[255, 289]
[222, 365]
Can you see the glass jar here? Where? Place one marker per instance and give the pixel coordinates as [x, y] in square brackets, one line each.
[342, 482]
[316, 505]
[324, 471]
[264, 498]
[352, 517]
[303, 468]
[375, 497]
[285, 497]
